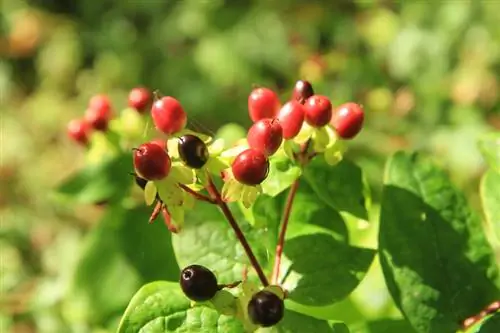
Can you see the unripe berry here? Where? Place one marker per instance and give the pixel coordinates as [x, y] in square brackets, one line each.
[348, 120]
[193, 151]
[168, 115]
[263, 103]
[250, 167]
[198, 283]
[79, 131]
[151, 161]
[99, 112]
[139, 98]
[318, 110]
[265, 135]
[302, 91]
[266, 309]
[291, 116]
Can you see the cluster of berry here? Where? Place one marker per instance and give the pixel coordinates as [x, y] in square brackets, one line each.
[175, 169]
[100, 112]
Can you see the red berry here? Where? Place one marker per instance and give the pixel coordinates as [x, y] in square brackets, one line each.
[318, 110]
[168, 115]
[99, 112]
[151, 161]
[291, 116]
[139, 98]
[348, 120]
[265, 135]
[263, 103]
[302, 91]
[250, 167]
[79, 131]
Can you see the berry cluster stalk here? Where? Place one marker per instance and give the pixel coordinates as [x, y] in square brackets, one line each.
[212, 189]
[282, 234]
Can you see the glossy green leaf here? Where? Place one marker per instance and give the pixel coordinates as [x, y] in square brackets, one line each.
[323, 270]
[383, 326]
[106, 181]
[294, 322]
[122, 247]
[161, 307]
[208, 240]
[150, 193]
[490, 148]
[437, 263]
[282, 173]
[490, 196]
[339, 186]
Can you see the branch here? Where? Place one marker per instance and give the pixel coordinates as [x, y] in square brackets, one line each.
[212, 189]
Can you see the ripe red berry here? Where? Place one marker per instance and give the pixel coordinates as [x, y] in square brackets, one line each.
[168, 115]
[79, 131]
[348, 120]
[266, 136]
[160, 142]
[139, 98]
[151, 161]
[263, 103]
[302, 91]
[291, 116]
[318, 110]
[99, 112]
[250, 167]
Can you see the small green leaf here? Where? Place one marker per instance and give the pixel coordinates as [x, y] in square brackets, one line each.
[490, 196]
[150, 193]
[294, 322]
[383, 326]
[208, 240]
[282, 173]
[489, 145]
[437, 263]
[106, 181]
[339, 186]
[161, 307]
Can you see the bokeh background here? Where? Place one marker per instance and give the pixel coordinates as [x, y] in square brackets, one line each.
[427, 73]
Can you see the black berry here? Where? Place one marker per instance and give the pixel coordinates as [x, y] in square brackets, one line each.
[302, 91]
[193, 151]
[266, 308]
[198, 283]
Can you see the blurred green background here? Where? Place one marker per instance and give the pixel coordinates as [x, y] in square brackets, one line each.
[427, 73]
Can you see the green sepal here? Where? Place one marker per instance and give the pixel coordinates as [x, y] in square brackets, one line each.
[150, 193]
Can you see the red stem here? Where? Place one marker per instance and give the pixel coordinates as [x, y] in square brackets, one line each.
[212, 189]
[197, 195]
[284, 224]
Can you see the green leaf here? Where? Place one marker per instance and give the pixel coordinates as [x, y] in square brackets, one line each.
[294, 322]
[383, 326]
[208, 240]
[437, 263]
[323, 270]
[339, 186]
[490, 196]
[161, 307]
[308, 215]
[109, 180]
[489, 145]
[122, 247]
[282, 173]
